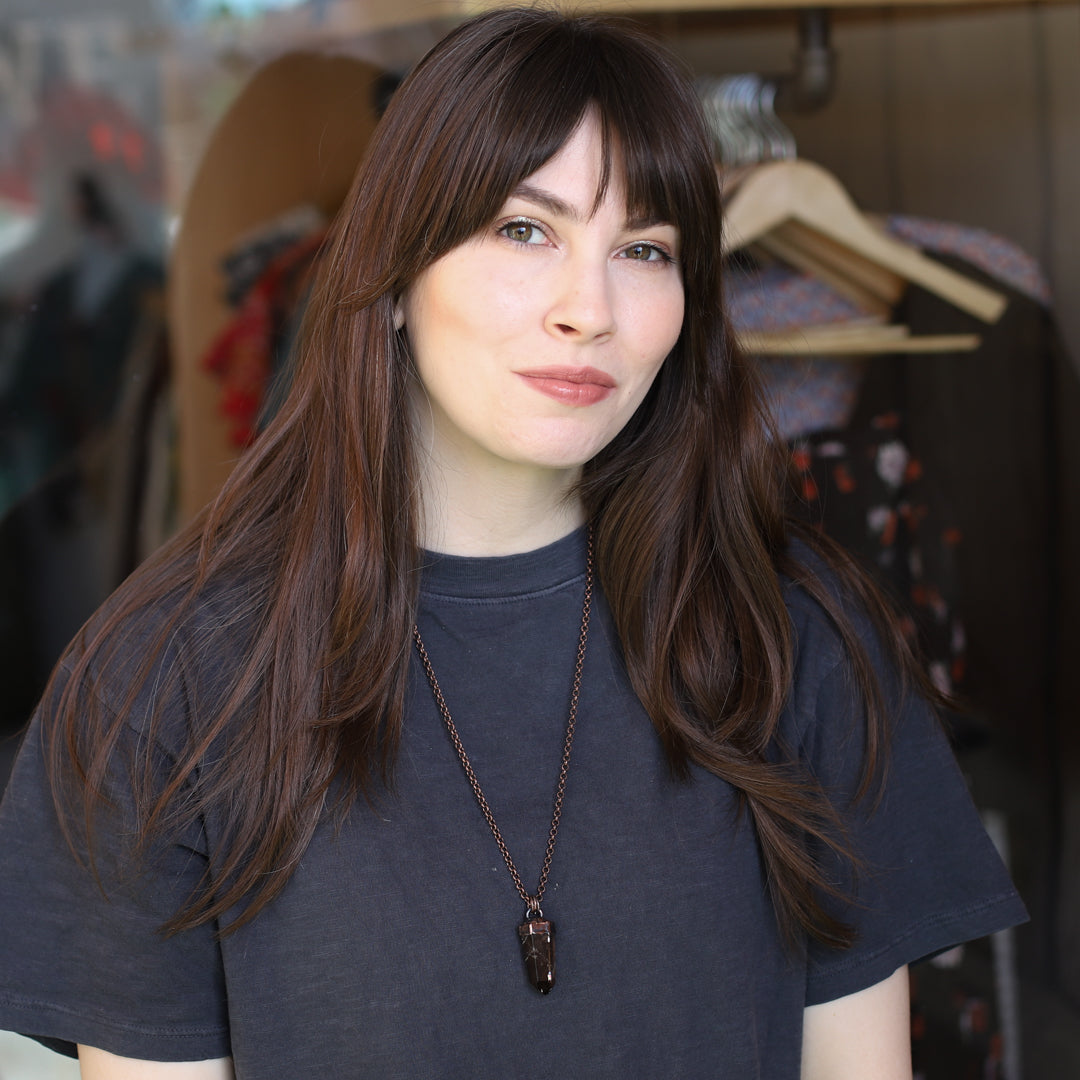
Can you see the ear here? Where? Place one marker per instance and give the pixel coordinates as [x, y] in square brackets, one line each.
[399, 313]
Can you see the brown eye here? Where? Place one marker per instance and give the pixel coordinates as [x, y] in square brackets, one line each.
[522, 232]
[645, 253]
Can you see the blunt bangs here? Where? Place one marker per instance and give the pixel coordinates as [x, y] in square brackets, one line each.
[502, 94]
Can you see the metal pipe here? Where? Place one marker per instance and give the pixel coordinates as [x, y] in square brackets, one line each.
[810, 85]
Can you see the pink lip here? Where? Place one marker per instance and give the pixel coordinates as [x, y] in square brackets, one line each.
[570, 385]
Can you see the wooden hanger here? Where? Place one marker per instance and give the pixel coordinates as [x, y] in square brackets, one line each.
[852, 341]
[868, 285]
[800, 209]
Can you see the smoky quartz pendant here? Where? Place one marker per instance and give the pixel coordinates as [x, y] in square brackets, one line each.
[538, 951]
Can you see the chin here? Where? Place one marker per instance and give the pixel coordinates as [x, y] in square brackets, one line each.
[560, 457]
[560, 450]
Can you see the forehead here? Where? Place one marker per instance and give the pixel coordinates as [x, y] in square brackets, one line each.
[578, 176]
[587, 172]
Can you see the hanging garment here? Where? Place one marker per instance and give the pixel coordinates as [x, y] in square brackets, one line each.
[998, 434]
[248, 352]
[87, 352]
[805, 394]
[863, 486]
[997, 257]
[66, 381]
[862, 482]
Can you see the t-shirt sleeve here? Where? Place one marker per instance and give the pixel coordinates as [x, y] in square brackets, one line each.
[82, 957]
[928, 876]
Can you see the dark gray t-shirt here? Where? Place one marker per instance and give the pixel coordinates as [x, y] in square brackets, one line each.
[392, 951]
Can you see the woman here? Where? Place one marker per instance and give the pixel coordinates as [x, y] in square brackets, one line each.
[518, 524]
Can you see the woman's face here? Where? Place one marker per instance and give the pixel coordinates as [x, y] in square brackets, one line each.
[537, 339]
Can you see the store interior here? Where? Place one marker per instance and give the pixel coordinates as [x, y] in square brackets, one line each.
[901, 185]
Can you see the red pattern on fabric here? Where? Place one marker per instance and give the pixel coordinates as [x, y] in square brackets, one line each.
[845, 482]
[241, 356]
[888, 532]
[886, 421]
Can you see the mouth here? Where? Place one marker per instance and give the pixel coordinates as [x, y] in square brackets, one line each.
[570, 385]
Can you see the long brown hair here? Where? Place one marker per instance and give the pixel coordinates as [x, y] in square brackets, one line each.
[304, 568]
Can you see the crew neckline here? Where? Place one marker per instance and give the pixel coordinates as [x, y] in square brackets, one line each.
[548, 567]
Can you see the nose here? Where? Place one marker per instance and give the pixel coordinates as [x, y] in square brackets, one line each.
[583, 308]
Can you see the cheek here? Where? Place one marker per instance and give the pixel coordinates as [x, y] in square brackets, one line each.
[656, 323]
[675, 316]
[465, 306]
[433, 326]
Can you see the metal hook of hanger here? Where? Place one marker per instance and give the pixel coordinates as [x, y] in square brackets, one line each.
[736, 100]
[722, 116]
[781, 141]
[745, 91]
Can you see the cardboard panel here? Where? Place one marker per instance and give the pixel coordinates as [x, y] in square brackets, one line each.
[293, 136]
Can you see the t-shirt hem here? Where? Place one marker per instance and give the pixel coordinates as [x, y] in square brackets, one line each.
[63, 1030]
[926, 938]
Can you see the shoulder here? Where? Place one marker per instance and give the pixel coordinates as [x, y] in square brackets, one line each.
[818, 644]
[841, 650]
[830, 602]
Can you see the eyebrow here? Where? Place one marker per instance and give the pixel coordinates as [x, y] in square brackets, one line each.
[561, 208]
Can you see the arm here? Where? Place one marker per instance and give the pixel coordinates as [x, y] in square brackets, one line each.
[96, 1064]
[864, 1036]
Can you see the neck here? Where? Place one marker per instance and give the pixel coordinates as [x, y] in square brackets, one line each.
[502, 509]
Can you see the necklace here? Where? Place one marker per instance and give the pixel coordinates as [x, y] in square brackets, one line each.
[536, 934]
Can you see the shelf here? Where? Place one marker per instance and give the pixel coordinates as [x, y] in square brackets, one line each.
[349, 20]
[653, 7]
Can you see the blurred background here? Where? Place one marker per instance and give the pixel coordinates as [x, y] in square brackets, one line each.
[169, 167]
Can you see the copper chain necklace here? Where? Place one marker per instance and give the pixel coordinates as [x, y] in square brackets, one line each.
[537, 934]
